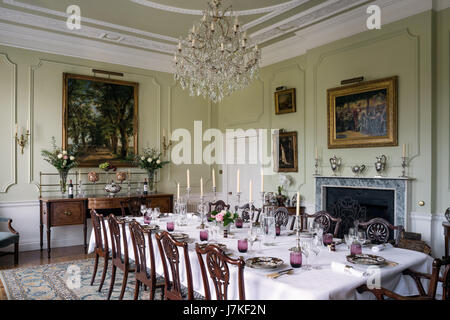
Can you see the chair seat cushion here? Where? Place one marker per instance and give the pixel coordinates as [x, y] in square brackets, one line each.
[7, 238]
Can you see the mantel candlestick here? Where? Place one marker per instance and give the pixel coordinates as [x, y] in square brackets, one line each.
[316, 167]
[404, 166]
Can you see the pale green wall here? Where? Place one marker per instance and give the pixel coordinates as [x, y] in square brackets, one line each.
[404, 48]
[31, 89]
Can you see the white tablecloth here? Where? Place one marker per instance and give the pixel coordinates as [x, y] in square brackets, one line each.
[316, 284]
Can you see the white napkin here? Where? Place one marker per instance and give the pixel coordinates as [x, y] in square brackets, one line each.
[381, 247]
[342, 268]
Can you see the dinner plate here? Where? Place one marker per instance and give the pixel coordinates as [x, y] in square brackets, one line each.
[264, 262]
[151, 227]
[180, 236]
[220, 245]
[366, 259]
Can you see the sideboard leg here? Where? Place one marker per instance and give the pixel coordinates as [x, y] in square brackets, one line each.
[48, 242]
[85, 236]
[41, 234]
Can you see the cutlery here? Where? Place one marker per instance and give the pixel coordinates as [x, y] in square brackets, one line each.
[280, 273]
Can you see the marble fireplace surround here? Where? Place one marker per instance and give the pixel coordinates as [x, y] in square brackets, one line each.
[400, 186]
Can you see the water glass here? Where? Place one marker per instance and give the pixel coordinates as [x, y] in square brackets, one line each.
[242, 245]
[203, 235]
[296, 259]
[156, 213]
[269, 228]
[355, 248]
[239, 223]
[170, 226]
[143, 209]
[361, 237]
[277, 230]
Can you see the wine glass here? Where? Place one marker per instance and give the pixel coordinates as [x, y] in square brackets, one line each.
[361, 237]
[155, 214]
[305, 244]
[143, 209]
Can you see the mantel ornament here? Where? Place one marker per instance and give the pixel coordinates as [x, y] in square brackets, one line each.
[357, 170]
[335, 164]
[380, 165]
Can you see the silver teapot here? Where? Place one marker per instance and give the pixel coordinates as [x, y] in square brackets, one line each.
[112, 188]
[380, 165]
[357, 170]
[335, 163]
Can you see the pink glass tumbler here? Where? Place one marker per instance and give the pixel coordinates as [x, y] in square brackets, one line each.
[355, 248]
[327, 239]
[170, 226]
[242, 245]
[296, 259]
[203, 235]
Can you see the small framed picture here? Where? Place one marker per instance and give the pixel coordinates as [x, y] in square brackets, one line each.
[285, 101]
[285, 152]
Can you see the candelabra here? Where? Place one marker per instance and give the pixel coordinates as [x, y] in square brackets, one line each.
[23, 140]
[215, 193]
[251, 211]
[404, 166]
[316, 167]
[188, 194]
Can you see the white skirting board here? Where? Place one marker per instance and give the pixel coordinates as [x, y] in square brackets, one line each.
[25, 217]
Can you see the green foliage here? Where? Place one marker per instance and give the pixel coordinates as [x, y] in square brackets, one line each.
[106, 166]
[62, 160]
[150, 160]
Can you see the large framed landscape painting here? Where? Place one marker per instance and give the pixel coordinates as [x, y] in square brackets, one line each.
[285, 152]
[363, 115]
[100, 119]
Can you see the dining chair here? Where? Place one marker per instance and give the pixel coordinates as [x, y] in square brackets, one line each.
[281, 215]
[101, 246]
[118, 259]
[218, 206]
[246, 214]
[170, 256]
[377, 230]
[219, 272]
[132, 206]
[9, 238]
[324, 219]
[144, 275]
[430, 294]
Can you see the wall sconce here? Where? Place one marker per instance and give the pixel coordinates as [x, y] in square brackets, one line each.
[166, 144]
[22, 141]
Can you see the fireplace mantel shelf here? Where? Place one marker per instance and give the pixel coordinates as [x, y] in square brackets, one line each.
[376, 178]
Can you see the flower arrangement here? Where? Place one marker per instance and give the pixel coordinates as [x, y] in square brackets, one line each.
[62, 160]
[150, 160]
[224, 216]
[106, 166]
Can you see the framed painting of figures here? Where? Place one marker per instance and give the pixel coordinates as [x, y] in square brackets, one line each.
[285, 151]
[100, 119]
[363, 115]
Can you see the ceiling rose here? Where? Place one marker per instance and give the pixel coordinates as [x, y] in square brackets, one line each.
[216, 58]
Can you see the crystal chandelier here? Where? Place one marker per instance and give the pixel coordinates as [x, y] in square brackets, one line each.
[216, 58]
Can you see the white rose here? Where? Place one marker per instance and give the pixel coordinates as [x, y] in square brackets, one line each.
[72, 158]
[64, 152]
[143, 158]
[60, 156]
[149, 159]
[158, 161]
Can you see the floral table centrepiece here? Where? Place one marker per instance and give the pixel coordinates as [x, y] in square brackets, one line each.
[224, 218]
[62, 160]
[150, 161]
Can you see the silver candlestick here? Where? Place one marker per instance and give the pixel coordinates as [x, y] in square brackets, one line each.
[251, 211]
[202, 213]
[215, 192]
[404, 166]
[297, 231]
[188, 194]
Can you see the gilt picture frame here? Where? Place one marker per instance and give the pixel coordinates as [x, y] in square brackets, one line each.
[363, 115]
[285, 152]
[100, 119]
[285, 101]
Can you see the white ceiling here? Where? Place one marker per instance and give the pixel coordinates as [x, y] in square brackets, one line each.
[144, 33]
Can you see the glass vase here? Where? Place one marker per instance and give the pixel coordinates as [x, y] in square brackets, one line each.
[63, 181]
[151, 181]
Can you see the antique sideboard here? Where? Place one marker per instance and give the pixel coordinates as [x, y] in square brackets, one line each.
[56, 212]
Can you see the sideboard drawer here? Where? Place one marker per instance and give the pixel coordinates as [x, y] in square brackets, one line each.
[67, 213]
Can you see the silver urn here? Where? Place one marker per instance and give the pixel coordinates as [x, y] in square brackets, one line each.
[380, 165]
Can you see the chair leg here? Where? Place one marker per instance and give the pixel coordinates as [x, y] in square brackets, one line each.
[136, 289]
[105, 270]
[113, 279]
[152, 292]
[16, 254]
[95, 269]
[124, 284]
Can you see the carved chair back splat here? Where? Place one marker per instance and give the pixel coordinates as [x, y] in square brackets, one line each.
[170, 256]
[217, 265]
[218, 206]
[377, 230]
[326, 220]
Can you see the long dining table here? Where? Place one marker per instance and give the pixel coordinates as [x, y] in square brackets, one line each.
[322, 282]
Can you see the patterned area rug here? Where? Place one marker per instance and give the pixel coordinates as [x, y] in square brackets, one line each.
[65, 281]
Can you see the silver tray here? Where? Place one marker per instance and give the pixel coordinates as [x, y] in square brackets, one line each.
[264, 262]
[366, 259]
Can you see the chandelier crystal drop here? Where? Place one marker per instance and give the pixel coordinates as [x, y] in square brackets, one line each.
[216, 58]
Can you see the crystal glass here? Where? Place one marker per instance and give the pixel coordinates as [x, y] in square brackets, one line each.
[143, 209]
[239, 223]
[305, 244]
[181, 210]
[203, 235]
[296, 259]
[269, 228]
[355, 248]
[155, 214]
[361, 238]
[351, 231]
[242, 245]
[277, 230]
[170, 226]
